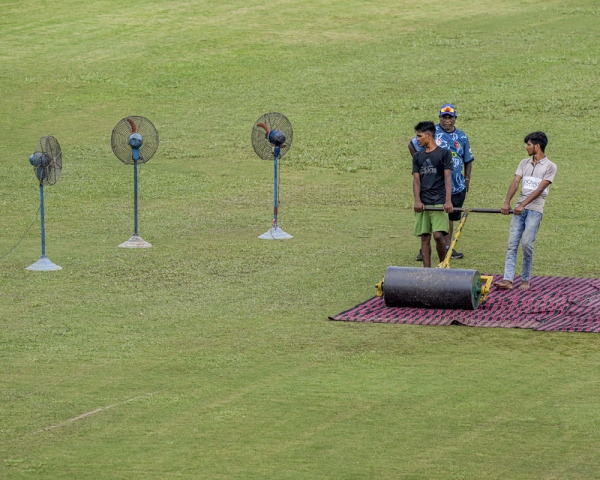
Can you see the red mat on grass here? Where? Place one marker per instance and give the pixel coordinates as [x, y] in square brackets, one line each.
[552, 303]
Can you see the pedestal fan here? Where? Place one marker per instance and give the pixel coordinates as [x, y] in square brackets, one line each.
[47, 165]
[134, 140]
[272, 136]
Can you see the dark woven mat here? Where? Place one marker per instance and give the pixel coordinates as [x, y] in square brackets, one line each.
[552, 303]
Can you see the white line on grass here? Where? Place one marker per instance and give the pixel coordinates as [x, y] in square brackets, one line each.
[88, 414]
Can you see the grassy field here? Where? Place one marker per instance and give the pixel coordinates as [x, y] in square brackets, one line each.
[210, 355]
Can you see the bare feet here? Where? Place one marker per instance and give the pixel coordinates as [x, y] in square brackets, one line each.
[504, 285]
[524, 285]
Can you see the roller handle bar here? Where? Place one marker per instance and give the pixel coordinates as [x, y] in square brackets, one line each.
[474, 210]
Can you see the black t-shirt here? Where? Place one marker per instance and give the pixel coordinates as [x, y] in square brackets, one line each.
[430, 166]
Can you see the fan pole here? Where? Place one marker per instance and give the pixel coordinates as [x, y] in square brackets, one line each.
[43, 264]
[275, 189]
[275, 233]
[136, 241]
[135, 198]
[42, 228]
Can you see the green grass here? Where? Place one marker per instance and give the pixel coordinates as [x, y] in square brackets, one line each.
[212, 349]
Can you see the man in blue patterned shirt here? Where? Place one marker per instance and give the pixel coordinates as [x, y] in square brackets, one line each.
[451, 138]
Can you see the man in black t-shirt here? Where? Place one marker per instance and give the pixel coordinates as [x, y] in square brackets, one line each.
[432, 186]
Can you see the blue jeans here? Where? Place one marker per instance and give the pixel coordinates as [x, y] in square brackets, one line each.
[523, 228]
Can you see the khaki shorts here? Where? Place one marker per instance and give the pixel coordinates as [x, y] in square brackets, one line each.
[428, 222]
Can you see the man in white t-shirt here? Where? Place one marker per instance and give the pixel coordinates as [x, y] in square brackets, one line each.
[536, 174]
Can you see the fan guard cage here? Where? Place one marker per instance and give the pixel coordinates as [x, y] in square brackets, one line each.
[273, 121]
[120, 137]
[51, 163]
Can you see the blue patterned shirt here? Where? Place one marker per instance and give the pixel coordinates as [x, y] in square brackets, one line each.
[458, 144]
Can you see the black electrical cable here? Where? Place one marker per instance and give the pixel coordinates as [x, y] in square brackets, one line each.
[26, 232]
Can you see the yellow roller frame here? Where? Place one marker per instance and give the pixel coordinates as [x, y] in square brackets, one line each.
[485, 288]
[457, 232]
[379, 289]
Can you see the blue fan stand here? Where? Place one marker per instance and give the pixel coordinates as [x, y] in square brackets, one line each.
[43, 264]
[135, 142]
[136, 242]
[275, 233]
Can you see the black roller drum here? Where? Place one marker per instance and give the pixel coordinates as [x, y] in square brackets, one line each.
[431, 288]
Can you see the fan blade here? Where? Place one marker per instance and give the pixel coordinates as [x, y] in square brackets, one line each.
[265, 128]
[133, 127]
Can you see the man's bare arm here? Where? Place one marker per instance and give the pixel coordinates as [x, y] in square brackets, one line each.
[468, 167]
[419, 207]
[448, 208]
[511, 193]
[411, 149]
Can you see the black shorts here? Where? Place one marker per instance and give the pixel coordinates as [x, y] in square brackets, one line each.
[457, 201]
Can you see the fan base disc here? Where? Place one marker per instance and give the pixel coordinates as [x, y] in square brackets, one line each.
[136, 242]
[43, 265]
[275, 234]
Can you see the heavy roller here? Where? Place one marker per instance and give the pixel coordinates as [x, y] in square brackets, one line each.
[439, 287]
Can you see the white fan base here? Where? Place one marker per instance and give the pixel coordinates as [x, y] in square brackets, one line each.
[135, 242]
[43, 265]
[275, 234]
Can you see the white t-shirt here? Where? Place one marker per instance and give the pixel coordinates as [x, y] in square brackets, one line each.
[531, 177]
